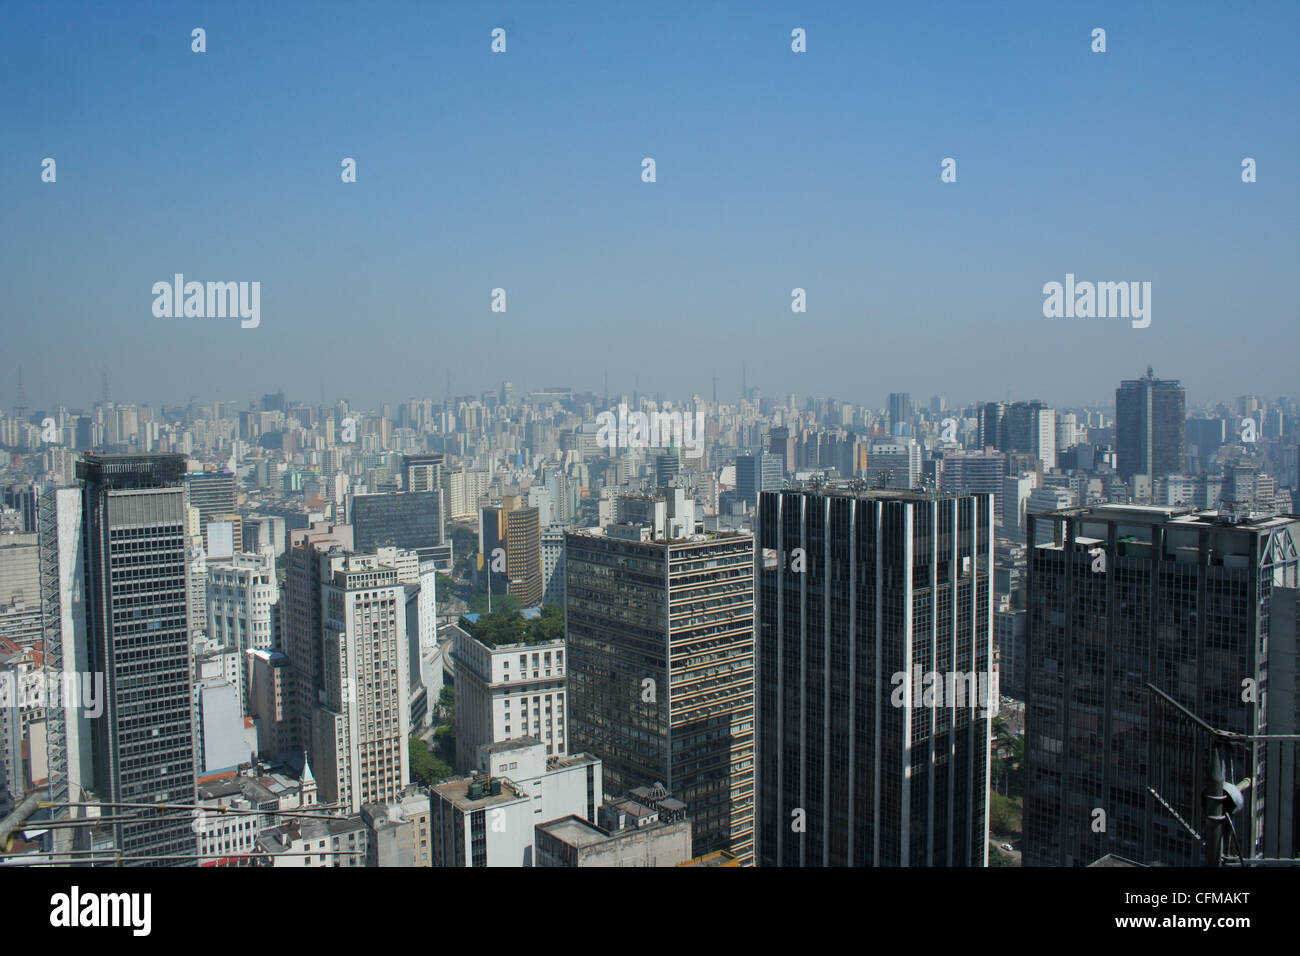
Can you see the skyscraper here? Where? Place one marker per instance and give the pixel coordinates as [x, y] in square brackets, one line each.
[213, 493]
[1150, 427]
[894, 464]
[900, 413]
[362, 718]
[1029, 427]
[864, 597]
[138, 623]
[410, 520]
[1123, 595]
[755, 474]
[513, 532]
[301, 621]
[423, 472]
[661, 670]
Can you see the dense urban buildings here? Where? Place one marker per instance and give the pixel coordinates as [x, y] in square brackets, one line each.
[338, 626]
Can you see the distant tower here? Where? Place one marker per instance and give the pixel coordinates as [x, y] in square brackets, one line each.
[20, 410]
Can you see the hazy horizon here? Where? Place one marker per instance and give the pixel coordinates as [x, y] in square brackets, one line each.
[522, 170]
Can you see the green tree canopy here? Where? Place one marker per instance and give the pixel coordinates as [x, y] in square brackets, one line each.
[427, 769]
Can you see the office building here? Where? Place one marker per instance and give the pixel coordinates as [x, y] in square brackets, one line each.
[512, 532]
[408, 520]
[488, 818]
[901, 421]
[894, 464]
[269, 697]
[242, 594]
[1029, 427]
[1150, 427]
[1119, 596]
[553, 563]
[138, 627]
[508, 691]
[301, 621]
[213, 493]
[648, 830]
[755, 474]
[423, 472]
[661, 670]
[875, 641]
[361, 721]
[974, 473]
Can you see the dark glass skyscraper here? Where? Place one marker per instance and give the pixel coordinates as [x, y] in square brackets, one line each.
[410, 520]
[137, 612]
[757, 473]
[900, 413]
[1150, 429]
[860, 595]
[1119, 595]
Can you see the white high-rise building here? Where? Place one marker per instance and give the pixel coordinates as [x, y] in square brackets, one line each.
[466, 487]
[241, 592]
[361, 719]
[489, 819]
[508, 691]
[1015, 496]
[553, 564]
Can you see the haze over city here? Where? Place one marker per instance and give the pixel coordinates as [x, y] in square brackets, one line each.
[775, 171]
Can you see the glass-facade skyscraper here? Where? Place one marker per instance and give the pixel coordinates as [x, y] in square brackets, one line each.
[1150, 427]
[861, 595]
[137, 612]
[660, 641]
[1122, 595]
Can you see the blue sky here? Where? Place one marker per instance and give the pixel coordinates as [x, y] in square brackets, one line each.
[522, 170]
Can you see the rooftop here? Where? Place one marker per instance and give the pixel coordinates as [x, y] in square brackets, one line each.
[457, 792]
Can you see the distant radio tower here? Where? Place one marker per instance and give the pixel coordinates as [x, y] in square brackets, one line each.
[20, 410]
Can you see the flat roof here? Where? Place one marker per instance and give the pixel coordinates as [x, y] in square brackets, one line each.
[574, 831]
[457, 792]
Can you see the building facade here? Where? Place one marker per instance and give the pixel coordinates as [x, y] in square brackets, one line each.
[661, 671]
[861, 597]
[1119, 596]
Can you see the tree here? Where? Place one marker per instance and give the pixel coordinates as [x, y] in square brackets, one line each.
[444, 743]
[426, 769]
[501, 603]
[549, 626]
